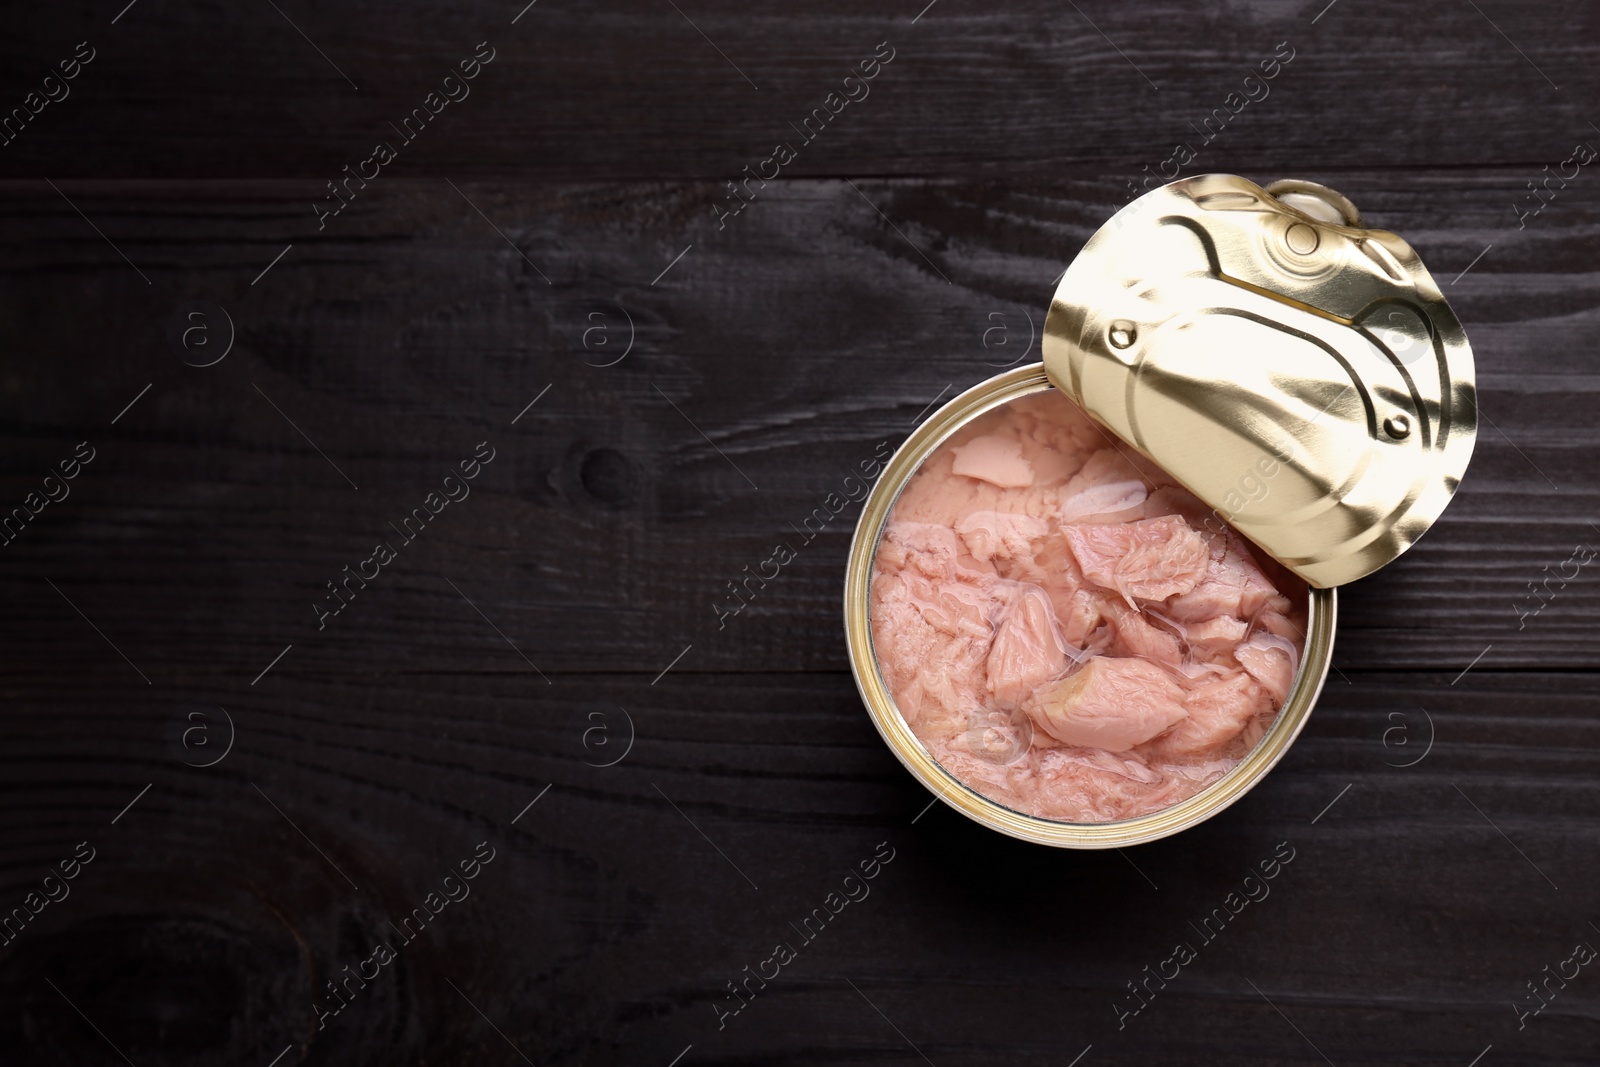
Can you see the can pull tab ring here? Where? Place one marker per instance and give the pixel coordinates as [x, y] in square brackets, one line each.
[1317, 201]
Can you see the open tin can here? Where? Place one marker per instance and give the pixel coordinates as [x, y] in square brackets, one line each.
[1213, 326]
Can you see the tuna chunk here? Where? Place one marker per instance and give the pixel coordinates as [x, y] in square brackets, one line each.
[1080, 613]
[1272, 661]
[1151, 559]
[991, 535]
[1215, 636]
[1027, 651]
[1138, 636]
[1103, 500]
[994, 459]
[937, 625]
[922, 547]
[1112, 703]
[1107, 484]
[1051, 567]
[1218, 711]
[1232, 585]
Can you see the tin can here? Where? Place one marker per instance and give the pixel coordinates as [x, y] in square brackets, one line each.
[1205, 324]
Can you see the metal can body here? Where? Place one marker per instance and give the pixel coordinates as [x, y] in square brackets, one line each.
[897, 734]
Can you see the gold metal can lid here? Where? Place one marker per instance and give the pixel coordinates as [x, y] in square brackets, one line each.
[1299, 373]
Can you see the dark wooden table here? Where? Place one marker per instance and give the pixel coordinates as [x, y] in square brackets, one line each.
[547, 271]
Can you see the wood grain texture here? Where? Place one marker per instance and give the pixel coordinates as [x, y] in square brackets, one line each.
[543, 271]
[617, 906]
[640, 90]
[770, 360]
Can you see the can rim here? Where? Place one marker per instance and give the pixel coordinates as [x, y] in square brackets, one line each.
[909, 749]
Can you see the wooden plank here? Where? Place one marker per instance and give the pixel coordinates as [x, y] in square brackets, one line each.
[617, 906]
[641, 90]
[768, 360]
